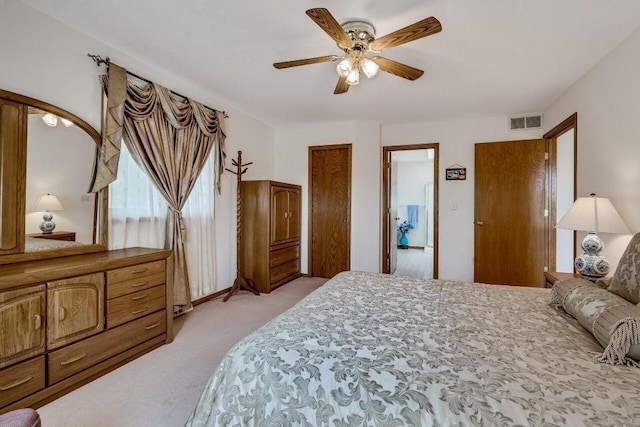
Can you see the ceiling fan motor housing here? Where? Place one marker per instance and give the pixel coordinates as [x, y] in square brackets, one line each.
[361, 33]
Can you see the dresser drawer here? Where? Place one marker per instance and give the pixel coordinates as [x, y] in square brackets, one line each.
[21, 380]
[280, 256]
[138, 304]
[282, 271]
[72, 359]
[135, 278]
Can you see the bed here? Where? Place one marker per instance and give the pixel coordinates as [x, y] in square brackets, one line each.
[32, 244]
[372, 349]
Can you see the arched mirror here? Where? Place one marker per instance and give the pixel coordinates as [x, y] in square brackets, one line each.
[46, 161]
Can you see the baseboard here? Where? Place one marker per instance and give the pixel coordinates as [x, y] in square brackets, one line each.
[210, 297]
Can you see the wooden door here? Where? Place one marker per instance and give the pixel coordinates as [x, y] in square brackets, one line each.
[75, 309]
[294, 214]
[13, 137]
[279, 214]
[510, 192]
[22, 325]
[329, 210]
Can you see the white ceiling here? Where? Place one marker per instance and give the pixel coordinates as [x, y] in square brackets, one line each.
[493, 57]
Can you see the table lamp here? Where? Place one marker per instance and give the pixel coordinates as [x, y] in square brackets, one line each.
[595, 215]
[48, 203]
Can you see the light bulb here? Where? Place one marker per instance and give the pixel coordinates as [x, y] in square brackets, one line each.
[344, 67]
[353, 78]
[66, 122]
[369, 68]
[50, 120]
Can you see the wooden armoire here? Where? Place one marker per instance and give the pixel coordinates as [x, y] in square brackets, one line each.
[270, 245]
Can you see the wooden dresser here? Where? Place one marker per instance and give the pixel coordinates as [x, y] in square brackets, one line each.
[270, 247]
[69, 320]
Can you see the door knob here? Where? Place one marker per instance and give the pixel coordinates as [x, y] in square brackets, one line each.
[479, 222]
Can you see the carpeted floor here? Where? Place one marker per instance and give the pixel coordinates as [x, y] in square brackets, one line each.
[162, 387]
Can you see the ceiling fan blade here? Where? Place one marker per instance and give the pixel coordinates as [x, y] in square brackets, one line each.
[328, 23]
[400, 70]
[298, 62]
[342, 86]
[416, 31]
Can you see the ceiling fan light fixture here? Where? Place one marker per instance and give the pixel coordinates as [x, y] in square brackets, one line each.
[369, 68]
[50, 120]
[353, 78]
[345, 67]
[66, 122]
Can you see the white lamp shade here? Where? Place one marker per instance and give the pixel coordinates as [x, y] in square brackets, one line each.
[344, 67]
[50, 120]
[49, 202]
[369, 68]
[593, 214]
[354, 77]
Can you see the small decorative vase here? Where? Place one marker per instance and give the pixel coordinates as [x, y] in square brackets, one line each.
[591, 265]
[404, 241]
[47, 225]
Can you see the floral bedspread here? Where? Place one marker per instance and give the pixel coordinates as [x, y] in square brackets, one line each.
[378, 350]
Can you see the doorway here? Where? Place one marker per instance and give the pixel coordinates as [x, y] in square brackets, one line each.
[562, 146]
[410, 210]
[329, 210]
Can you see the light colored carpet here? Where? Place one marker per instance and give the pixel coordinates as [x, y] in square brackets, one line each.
[162, 387]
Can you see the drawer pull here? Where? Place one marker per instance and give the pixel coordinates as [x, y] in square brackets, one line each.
[37, 322]
[74, 359]
[139, 271]
[15, 384]
[62, 314]
[137, 285]
[142, 310]
[139, 297]
[155, 325]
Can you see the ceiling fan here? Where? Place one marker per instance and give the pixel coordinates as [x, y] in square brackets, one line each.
[358, 41]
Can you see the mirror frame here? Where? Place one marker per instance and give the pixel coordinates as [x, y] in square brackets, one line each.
[100, 216]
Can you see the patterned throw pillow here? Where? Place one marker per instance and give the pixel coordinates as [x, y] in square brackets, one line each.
[626, 280]
[613, 321]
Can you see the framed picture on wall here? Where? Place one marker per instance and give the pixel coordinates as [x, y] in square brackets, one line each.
[456, 173]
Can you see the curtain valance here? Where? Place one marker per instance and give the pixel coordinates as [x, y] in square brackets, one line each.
[138, 100]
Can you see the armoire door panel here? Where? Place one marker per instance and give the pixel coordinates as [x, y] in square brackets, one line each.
[294, 214]
[280, 215]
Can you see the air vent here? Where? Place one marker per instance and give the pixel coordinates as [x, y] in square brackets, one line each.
[531, 121]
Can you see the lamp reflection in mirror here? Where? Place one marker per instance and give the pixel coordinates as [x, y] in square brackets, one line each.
[48, 203]
[594, 215]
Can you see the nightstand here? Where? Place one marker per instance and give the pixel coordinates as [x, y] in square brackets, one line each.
[552, 277]
[69, 236]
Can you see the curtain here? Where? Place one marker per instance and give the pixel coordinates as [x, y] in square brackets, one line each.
[170, 138]
[137, 211]
[200, 245]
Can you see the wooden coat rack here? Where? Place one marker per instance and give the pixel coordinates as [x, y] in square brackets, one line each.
[240, 282]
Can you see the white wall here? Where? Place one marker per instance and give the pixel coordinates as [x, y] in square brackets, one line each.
[412, 181]
[51, 150]
[607, 100]
[291, 165]
[456, 139]
[47, 60]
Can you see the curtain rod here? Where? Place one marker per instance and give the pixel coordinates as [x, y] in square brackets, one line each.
[99, 61]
